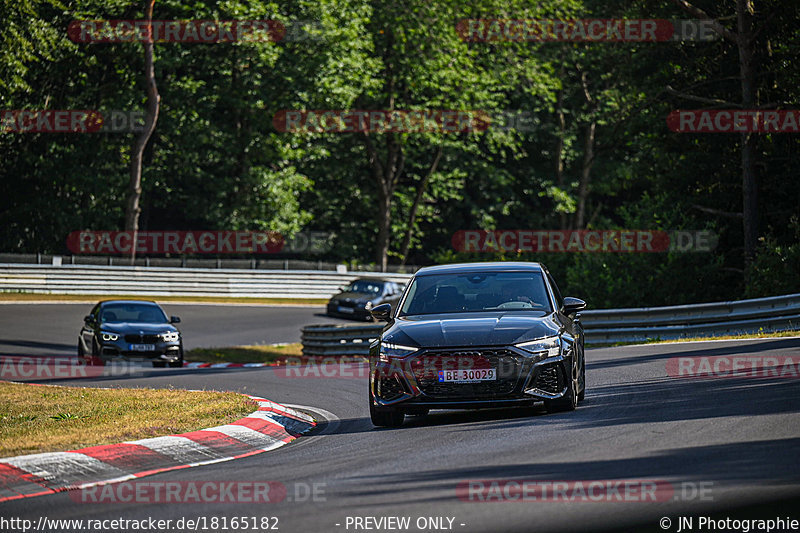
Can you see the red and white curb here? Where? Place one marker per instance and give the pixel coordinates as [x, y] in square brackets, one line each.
[271, 426]
[226, 365]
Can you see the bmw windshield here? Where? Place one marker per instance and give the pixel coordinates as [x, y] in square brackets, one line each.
[473, 292]
[133, 312]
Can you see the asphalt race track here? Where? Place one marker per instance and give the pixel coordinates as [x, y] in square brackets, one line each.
[721, 443]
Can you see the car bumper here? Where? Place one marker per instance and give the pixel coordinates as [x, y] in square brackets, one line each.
[522, 379]
[162, 351]
[358, 312]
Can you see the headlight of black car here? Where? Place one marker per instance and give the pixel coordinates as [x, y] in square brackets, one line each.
[547, 347]
[389, 350]
[170, 336]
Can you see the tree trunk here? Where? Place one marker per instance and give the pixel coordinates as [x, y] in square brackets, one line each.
[744, 16]
[412, 216]
[386, 177]
[559, 151]
[744, 38]
[133, 209]
[588, 155]
[586, 173]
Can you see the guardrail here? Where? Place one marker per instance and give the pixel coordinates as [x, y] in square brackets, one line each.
[128, 280]
[608, 326]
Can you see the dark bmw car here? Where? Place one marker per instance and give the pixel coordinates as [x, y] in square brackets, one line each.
[362, 295]
[477, 335]
[130, 330]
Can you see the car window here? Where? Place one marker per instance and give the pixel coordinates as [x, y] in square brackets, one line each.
[132, 312]
[556, 292]
[477, 291]
[365, 287]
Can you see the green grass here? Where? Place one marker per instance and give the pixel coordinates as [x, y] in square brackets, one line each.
[277, 354]
[37, 419]
[28, 297]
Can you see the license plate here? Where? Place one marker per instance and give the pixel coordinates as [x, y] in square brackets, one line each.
[346, 309]
[142, 347]
[471, 375]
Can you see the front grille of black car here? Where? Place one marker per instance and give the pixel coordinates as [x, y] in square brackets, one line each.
[343, 303]
[506, 363]
[142, 339]
[549, 379]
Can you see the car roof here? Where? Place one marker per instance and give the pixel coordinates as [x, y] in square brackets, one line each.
[496, 266]
[146, 302]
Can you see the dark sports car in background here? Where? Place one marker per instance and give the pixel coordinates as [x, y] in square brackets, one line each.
[477, 335]
[362, 295]
[130, 330]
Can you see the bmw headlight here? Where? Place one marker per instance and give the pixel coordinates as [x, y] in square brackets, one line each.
[395, 350]
[368, 306]
[107, 336]
[549, 347]
[170, 336]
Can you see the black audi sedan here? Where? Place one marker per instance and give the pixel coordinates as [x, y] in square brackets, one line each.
[130, 330]
[477, 335]
[357, 299]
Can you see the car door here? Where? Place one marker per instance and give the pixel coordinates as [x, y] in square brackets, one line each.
[571, 324]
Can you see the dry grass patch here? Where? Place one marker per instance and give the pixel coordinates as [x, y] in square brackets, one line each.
[37, 419]
[266, 353]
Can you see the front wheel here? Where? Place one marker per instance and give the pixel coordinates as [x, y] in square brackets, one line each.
[95, 359]
[569, 401]
[386, 417]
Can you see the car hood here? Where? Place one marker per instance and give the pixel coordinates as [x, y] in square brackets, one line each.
[136, 327]
[353, 296]
[470, 329]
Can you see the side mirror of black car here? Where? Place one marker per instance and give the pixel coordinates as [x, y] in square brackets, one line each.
[382, 312]
[174, 319]
[88, 319]
[572, 305]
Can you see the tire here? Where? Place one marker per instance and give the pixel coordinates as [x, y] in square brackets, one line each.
[386, 417]
[82, 359]
[95, 359]
[582, 394]
[569, 401]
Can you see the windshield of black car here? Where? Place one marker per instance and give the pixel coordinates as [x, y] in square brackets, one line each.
[143, 313]
[476, 291]
[364, 287]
